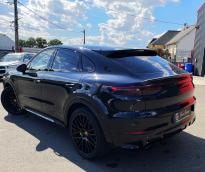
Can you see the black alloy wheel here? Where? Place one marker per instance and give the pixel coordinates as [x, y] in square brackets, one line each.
[86, 134]
[10, 103]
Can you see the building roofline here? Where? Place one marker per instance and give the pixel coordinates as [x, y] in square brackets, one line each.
[180, 38]
[156, 42]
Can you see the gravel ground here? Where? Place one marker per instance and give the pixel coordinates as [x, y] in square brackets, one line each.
[28, 143]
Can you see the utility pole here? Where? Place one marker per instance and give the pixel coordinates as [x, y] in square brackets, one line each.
[84, 36]
[16, 27]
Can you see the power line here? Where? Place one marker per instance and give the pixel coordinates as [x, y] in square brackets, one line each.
[134, 15]
[43, 18]
[152, 20]
[5, 23]
[5, 20]
[7, 3]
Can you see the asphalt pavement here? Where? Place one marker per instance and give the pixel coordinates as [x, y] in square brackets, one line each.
[31, 144]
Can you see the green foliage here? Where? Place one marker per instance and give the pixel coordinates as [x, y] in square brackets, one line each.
[163, 53]
[54, 42]
[31, 42]
[41, 43]
[38, 42]
[22, 43]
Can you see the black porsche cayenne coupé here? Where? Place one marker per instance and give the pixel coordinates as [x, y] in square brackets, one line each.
[105, 96]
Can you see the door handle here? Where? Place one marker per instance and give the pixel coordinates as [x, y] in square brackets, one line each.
[69, 85]
[38, 81]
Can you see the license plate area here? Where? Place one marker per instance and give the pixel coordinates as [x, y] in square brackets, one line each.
[179, 116]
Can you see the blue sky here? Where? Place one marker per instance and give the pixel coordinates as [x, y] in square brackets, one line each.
[108, 22]
[181, 12]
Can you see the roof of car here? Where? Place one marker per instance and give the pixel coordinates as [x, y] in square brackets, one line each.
[111, 51]
[91, 47]
[97, 48]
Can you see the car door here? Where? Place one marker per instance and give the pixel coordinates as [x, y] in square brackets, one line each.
[28, 85]
[61, 81]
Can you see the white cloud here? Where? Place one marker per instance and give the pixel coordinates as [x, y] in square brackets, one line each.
[65, 14]
[126, 19]
[79, 40]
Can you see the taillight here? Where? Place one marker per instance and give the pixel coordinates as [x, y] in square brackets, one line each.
[131, 89]
[137, 90]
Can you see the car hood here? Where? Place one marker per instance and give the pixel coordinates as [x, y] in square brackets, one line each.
[9, 63]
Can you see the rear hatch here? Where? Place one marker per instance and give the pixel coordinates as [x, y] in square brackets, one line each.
[169, 93]
[163, 87]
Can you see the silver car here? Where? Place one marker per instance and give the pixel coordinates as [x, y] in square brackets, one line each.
[12, 60]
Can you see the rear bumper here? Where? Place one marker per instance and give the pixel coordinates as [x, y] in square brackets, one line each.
[145, 130]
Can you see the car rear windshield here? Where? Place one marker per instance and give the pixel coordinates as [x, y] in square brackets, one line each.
[138, 61]
[143, 64]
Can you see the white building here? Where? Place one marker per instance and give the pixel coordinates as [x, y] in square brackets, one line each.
[181, 46]
[5, 42]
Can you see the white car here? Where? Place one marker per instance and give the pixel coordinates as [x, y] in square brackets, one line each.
[12, 60]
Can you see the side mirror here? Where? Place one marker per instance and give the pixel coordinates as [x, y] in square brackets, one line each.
[22, 68]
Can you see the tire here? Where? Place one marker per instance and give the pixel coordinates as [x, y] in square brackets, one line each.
[86, 134]
[10, 103]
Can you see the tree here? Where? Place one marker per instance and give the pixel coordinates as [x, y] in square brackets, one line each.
[163, 53]
[54, 42]
[40, 42]
[22, 43]
[31, 42]
[167, 54]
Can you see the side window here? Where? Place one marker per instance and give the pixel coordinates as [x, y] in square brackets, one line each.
[26, 58]
[66, 61]
[88, 65]
[41, 61]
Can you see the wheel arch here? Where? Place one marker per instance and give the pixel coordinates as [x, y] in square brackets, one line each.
[95, 109]
[72, 108]
[7, 85]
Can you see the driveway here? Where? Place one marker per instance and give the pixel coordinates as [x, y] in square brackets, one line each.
[28, 143]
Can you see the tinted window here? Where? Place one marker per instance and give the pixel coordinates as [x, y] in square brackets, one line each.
[88, 65]
[11, 57]
[66, 60]
[144, 64]
[27, 57]
[41, 61]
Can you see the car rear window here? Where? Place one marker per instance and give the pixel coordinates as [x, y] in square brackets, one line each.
[138, 60]
[143, 64]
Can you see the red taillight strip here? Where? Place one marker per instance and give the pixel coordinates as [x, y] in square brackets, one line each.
[126, 89]
[179, 81]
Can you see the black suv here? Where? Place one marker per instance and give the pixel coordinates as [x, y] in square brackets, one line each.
[105, 96]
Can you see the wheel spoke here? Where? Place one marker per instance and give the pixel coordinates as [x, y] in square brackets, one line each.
[12, 101]
[83, 134]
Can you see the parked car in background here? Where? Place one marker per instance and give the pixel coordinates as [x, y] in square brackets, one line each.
[12, 60]
[104, 96]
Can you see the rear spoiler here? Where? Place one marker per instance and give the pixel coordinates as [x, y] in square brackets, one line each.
[176, 77]
[127, 53]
